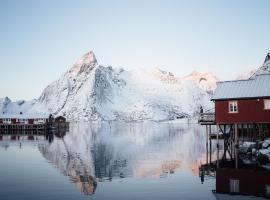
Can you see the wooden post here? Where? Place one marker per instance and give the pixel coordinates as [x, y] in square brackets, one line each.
[207, 136]
[236, 145]
[217, 146]
[260, 132]
[210, 141]
[232, 141]
[242, 132]
[224, 142]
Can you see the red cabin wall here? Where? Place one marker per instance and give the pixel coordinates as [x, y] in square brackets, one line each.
[249, 111]
[30, 121]
[13, 121]
[250, 182]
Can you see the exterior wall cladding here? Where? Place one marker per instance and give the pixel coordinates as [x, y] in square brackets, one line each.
[249, 111]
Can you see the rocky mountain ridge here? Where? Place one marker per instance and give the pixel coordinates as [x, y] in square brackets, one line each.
[90, 91]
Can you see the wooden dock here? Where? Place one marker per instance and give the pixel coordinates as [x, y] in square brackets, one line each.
[207, 119]
[34, 129]
[214, 136]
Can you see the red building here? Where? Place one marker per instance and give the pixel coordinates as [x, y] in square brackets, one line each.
[22, 119]
[242, 114]
[243, 101]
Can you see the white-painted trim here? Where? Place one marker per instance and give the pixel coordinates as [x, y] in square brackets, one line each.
[266, 104]
[234, 105]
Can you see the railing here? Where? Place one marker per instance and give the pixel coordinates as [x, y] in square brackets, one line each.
[263, 135]
[207, 118]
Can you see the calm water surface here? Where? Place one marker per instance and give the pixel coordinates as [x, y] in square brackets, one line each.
[107, 161]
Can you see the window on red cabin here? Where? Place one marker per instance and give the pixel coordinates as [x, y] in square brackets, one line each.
[234, 186]
[267, 104]
[233, 107]
[267, 192]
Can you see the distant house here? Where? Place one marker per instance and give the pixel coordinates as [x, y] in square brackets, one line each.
[23, 119]
[60, 119]
[243, 101]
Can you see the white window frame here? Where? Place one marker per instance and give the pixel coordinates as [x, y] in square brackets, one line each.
[266, 103]
[23, 121]
[7, 121]
[234, 186]
[234, 107]
[267, 190]
[39, 121]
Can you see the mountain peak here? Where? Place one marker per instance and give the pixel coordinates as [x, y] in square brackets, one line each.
[194, 73]
[86, 62]
[88, 58]
[267, 58]
[265, 68]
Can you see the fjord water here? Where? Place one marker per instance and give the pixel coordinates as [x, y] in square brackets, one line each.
[107, 161]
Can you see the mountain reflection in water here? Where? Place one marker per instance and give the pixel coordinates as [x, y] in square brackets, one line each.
[92, 153]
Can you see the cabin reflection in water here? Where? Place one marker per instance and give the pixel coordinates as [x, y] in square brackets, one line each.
[254, 182]
[29, 139]
[248, 173]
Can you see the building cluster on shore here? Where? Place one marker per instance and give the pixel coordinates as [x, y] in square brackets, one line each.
[32, 124]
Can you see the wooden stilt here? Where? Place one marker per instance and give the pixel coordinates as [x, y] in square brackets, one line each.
[217, 146]
[236, 145]
[207, 137]
[210, 143]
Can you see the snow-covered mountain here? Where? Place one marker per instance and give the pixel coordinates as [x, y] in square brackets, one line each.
[246, 74]
[206, 81]
[94, 92]
[264, 69]
[89, 91]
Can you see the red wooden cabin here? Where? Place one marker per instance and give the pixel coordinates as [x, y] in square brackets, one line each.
[243, 101]
[242, 112]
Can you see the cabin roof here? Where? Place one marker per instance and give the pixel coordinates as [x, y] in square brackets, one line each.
[259, 86]
[60, 117]
[23, 116]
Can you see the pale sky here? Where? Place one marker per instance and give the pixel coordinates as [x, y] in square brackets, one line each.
[40, 40]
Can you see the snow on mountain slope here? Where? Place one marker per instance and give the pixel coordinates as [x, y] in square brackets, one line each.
[21, 106]
[89, 91]
[264, 69]
[206, 81]
[92, 92]
[246, 75]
